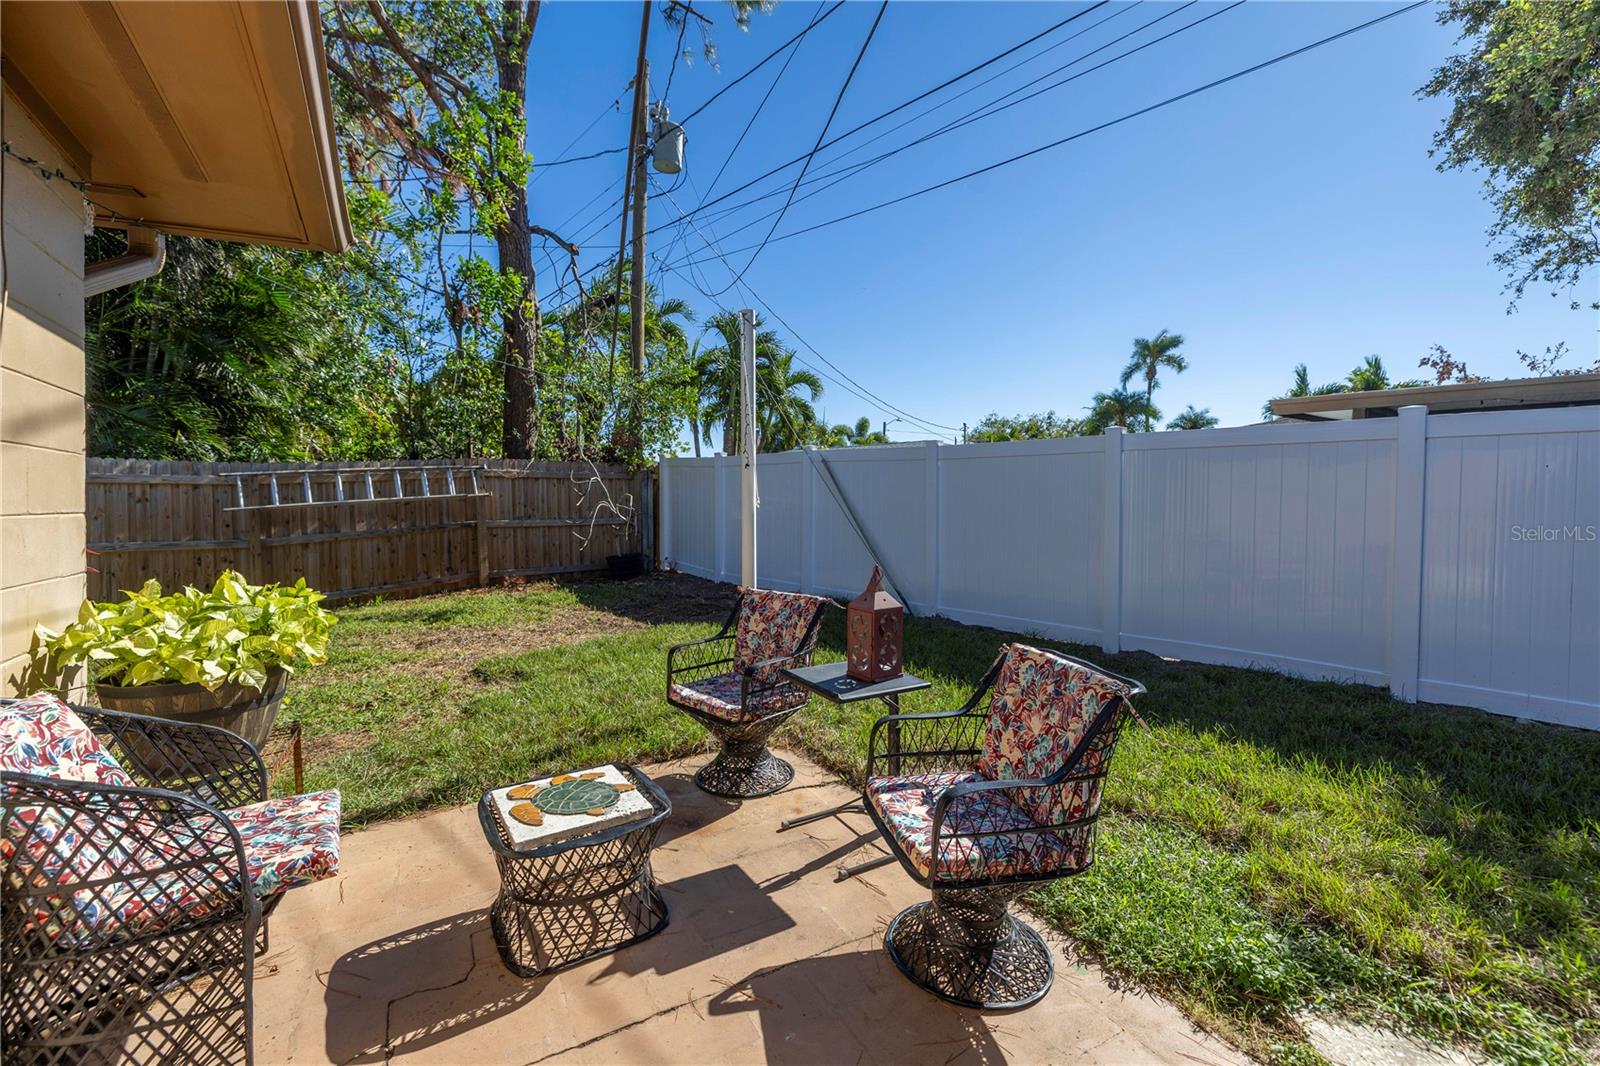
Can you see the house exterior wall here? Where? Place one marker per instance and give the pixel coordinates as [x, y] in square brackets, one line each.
[42, 431]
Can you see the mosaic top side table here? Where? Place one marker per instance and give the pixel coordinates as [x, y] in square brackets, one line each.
[585, 895]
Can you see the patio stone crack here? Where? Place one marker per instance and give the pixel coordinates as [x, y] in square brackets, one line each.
[388, 1009]
[693, 1000]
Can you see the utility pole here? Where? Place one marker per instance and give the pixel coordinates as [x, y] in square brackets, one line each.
[963, 433]
[629, 179]
[637, 304]
[747, 448]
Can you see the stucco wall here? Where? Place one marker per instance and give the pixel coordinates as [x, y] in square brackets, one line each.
[41, 401]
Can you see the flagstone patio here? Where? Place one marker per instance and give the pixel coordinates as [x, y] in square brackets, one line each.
[767, 959]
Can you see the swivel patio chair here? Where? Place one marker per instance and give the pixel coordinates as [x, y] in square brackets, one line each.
[983, 804]
[732, 684]
[138, 859]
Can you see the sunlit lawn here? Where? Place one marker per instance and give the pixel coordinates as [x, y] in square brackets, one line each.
[1274, 845]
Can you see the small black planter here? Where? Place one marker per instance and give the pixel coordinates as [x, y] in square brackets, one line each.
[626, 566]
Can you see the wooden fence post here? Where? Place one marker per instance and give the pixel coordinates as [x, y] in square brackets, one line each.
[481, 505]
[256, 563]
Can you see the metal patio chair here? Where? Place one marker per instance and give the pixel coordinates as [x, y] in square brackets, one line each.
[732, 684]
[985, 802]
[138, 859]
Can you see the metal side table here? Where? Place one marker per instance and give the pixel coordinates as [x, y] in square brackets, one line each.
[585, 896]
[831, 682]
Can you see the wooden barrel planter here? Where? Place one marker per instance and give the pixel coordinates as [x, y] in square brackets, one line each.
[241, 709]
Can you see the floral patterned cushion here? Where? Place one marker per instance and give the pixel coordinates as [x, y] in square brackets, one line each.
[771, 624]
[130, 856]
[906, 804]
[1040, 708]
[289, 842]
[719, 696]
[43, 736]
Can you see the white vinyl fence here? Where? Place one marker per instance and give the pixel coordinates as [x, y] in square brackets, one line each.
[1453, 558]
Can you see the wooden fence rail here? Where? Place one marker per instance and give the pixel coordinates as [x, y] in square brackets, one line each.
[419, 527]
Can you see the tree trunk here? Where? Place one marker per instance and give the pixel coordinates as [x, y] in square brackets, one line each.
[694, 428]
[513, 241]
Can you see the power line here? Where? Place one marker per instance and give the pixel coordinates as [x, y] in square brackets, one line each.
[603, 112]
[762, 105]
[1097, 128]
[849, 383]
[898, 107]
[767, 59]
[677, 49]
[599, 218]
[984, 111]
[834, 111]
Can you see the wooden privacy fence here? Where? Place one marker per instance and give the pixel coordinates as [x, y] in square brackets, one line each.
[356, 529]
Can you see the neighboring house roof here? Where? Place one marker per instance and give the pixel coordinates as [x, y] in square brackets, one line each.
[1563, 391]
[211, 119]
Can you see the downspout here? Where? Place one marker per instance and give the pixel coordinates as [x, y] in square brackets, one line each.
[147, 254]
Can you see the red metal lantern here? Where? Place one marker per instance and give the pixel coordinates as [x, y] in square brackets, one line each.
[874, 632]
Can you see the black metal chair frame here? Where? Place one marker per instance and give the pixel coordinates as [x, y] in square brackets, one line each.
[744, 767]
[180, 991]
[562, 903]
[964, 945]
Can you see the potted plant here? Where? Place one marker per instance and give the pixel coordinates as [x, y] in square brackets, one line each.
[625, 565]
[221, 657]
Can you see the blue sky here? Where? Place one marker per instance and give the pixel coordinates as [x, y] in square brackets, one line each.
[1290, 216]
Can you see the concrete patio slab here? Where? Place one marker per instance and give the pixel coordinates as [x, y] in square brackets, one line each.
[767, 960]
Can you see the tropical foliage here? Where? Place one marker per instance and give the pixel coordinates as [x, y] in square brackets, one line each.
[1371, 376]
[1120, 407]
[1151, 355]
[859, 434]
[236, 352]
[1525, 109]
[235, 633]
[1368, 375]
[997, 427]
[1194, 419]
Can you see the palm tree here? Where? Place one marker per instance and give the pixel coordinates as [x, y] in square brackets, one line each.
[840, 436]
[1150, 355]
[1371, 376]
[701, 371]
[1302, 387]
[1119, 407]
[786, 418]
[1193, 419]
[719, 380]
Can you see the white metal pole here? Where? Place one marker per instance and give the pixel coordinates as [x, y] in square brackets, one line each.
[747, 448]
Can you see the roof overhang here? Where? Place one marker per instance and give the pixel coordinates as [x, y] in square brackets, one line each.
[1562, 391]
[211, 119]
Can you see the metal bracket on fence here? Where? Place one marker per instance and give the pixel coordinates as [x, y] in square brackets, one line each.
[837, 491]
[275, 494]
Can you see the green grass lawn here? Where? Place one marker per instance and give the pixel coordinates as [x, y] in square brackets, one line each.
[1272, 845]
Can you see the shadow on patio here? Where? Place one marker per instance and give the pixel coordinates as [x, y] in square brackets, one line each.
[766, 959]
